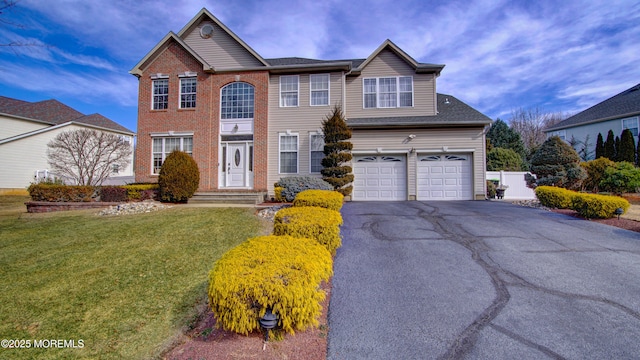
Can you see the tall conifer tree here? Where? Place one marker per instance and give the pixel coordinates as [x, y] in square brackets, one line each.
[599, 146]
[337, 151]
[627, 147]
[610, 146]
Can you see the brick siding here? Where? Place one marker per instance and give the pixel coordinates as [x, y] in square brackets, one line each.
[203, 120]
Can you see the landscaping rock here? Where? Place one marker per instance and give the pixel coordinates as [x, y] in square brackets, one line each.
[133, 208]
[270, 212]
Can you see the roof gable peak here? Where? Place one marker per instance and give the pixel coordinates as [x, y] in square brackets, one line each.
[417, 66]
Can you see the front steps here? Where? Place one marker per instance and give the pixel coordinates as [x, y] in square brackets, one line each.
[228, 197]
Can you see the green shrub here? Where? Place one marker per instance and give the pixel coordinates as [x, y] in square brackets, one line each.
[179, 177]
[327, 199]
[621, 178]
[491, 189]
[113, 194]
[278, 272]
[594, 206]
[292, 185]
[554, 197]
[61, 193]
[504, 159]
[556, 163]
[312, 222]
[595, 172]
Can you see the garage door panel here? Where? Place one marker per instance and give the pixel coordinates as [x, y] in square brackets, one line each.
[380, 177]
[444, 177]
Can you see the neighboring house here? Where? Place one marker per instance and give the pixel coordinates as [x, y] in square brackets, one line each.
[27, 127]
[616, 113]
[249, 121]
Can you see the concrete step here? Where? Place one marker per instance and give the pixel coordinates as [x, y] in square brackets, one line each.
[228, 197]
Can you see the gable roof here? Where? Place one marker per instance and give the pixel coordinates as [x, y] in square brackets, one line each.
[204, 13]
[624, 104]
[388, 44]
[451, 112]
[161, 46]
[53, 112]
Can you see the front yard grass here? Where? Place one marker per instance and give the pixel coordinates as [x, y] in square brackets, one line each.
[127, 286]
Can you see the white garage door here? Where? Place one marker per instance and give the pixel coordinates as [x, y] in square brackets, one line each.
[444, 177]
[379, 177]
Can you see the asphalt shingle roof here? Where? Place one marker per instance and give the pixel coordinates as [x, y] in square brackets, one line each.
[289, 61]
[626, 103]
[54, 112]
[451, 111]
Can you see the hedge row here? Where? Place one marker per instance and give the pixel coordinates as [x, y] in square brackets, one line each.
[287, 188]
[331, 200]
[281, 272]
[590, 206]
[71, 193]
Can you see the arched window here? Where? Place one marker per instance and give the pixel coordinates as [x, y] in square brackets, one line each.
[237, 101]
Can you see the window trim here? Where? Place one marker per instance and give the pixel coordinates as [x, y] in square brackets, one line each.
[637, 127]
[297, 151]
[163, 137]
[253, 105]
[154, 80]
[297, 91]
[195, 94]
[311, 135]
[377, 93]
[311, 90]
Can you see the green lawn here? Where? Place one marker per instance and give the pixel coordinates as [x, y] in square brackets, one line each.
[127, 286]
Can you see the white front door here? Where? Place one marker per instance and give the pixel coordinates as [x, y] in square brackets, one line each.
[236, 164]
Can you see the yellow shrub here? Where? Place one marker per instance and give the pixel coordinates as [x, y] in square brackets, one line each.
[278, 194]
[278, 272]
[592, 206]
[554, 197]
[312, 222]
[136, 192]
[327, 199]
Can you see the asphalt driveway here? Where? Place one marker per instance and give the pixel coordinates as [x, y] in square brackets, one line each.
[482, 280]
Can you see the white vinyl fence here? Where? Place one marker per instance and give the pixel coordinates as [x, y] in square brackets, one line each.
[517, 186]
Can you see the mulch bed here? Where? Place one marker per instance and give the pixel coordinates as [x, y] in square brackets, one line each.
[623, 223]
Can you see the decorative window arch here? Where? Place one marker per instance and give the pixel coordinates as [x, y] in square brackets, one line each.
[237, 101]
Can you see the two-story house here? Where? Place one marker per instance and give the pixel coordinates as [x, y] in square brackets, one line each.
[249, 121]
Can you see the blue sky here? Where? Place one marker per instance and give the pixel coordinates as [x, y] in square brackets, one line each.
[558, 56]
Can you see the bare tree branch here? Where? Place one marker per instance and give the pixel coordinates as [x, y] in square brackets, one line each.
[531, 123]
[88, 156]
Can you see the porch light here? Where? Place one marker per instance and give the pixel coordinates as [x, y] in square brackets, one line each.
[235, 128]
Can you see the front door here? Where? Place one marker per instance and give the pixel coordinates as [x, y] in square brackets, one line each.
[236, 164]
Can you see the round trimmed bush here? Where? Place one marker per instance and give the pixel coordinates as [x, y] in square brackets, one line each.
[312, 222]
[327, 199]
[179, 177]
[278, 272]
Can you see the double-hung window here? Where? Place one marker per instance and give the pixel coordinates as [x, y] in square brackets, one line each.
[163, 146]
[188, 87]
[316, 152]
[387, 92]
[289, 85]
[288, 153]
[631, 124]
[319, 87]
[160, 94]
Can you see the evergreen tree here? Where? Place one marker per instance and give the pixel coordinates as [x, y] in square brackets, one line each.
[502, 136]
[627, 147]
[337, 151]
[556, 163]
[610, 146]
[638, 152]
[616, 157]
[599, 146]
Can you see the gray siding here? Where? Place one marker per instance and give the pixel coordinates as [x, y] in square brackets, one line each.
[580, 133]
[388, 64]
[302, 120]
[456, 140]
[220, 50]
